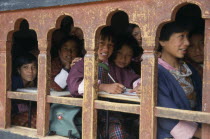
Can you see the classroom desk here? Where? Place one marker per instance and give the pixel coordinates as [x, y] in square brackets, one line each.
[125, 97]
[133, 97]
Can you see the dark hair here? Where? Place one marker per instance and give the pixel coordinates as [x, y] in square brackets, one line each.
[170, 28]
[119, 22]
[107, 33]
[76, 40]
[130, 42]
[67, 22]
[196, 31]
[24, 59]
[131, 28]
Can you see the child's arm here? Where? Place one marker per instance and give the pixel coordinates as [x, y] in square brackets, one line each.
[60, 80]
[58, 74]
[75, 78]
[114, 88]
[136, 86]
[176, 128]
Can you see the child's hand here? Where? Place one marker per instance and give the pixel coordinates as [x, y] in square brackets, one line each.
[65, 62]
[114, 88]
[77, 59]
[136, 89]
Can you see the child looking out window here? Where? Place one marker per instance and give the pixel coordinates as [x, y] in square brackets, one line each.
[179, 85]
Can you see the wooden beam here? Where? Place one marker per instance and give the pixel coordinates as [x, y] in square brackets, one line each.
[65, 100]
[5, 83]
[148, 91]
[120, 107]
[194, 116]
[43, 108]
[21, 95]
[89, 113]
[206, 79]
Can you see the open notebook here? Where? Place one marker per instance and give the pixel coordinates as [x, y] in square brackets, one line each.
[52, 92]
[126, 92]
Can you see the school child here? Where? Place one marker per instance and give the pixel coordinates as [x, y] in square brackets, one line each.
[179, 85]
[134, 30]
[123, 78]
[25, 75]
[195, 52]
[126, 48]
[69, 52]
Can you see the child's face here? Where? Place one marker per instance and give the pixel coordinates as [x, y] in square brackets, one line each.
[176, 46]
[28, 72]
[137, 34]
[105, 49]
[196, 50]
[123, 57]
[68, 51]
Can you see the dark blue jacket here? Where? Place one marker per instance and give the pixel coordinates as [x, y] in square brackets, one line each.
[171, 95]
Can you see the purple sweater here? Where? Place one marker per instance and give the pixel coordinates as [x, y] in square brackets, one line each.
[121, 75]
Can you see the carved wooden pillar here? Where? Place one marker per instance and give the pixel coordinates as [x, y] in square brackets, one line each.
[206, 79]
[43, 108]
[89, 113]
[5, 83]
[148, 90]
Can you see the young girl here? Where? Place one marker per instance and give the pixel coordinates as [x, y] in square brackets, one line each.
[134, 30]
[123, 78]
[69, 52]
[195, 52]
[126, 49]
[179, 85]
[25, 76]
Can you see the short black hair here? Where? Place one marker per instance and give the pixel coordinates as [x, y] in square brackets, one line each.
[76, 40]
[169, 29]
[26, 58]
[129, 41]
[108, 33]
[131, 28]
[196, 31]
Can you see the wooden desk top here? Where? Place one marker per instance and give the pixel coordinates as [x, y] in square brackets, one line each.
[126, 97]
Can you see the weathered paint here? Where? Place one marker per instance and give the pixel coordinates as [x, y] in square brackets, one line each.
[149, 15]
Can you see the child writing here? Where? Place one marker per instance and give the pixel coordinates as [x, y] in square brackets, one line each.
[69, 52]
[179, 85]
[123, 78]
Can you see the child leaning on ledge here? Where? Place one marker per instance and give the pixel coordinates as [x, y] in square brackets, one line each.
[69, 52]
[179, 84]
[124, 78]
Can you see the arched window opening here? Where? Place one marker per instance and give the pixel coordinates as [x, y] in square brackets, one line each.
[118, 43]
[67, 48]
[180, 67]
[24, 74]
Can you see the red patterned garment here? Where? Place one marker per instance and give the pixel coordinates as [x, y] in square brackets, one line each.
[56, 67]
[21, 119]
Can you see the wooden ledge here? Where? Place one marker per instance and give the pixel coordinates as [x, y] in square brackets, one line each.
[29, 132]
[22, 95]
[194, 116]
[65, 100]
[120, 107]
